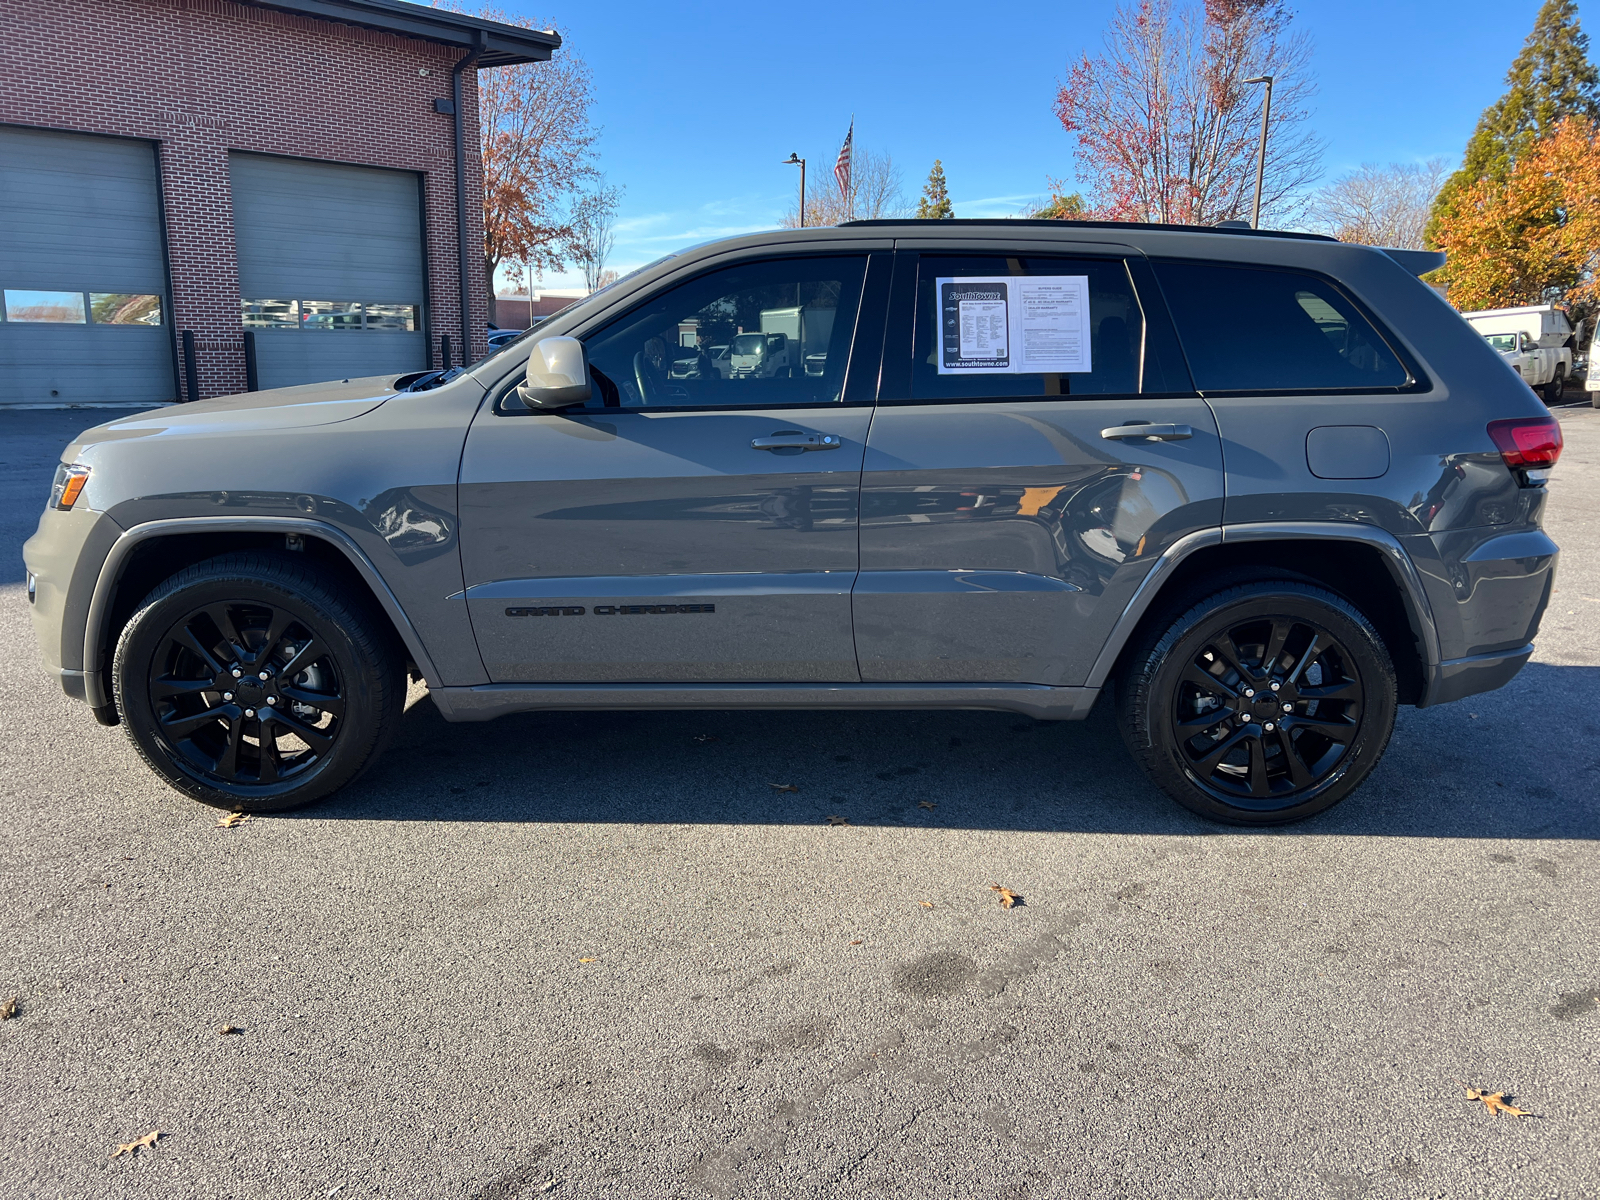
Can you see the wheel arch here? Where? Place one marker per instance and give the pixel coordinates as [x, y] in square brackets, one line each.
[1367, 566]
[146, 554]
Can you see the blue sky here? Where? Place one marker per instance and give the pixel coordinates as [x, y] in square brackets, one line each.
[699, 103]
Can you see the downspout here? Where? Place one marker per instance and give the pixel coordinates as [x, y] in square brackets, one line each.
[470, 59]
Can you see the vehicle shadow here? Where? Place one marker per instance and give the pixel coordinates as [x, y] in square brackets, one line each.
[1488, 767]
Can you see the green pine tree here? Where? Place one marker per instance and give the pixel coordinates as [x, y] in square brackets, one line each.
[934, 203]
[1550, 79]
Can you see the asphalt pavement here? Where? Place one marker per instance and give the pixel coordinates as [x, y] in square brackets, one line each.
[586, 955]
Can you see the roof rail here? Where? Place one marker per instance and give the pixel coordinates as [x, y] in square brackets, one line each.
[1013, 222]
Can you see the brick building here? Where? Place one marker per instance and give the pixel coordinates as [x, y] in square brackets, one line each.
[267, 189]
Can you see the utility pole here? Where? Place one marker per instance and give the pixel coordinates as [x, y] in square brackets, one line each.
[794, 160]
[1261, 154]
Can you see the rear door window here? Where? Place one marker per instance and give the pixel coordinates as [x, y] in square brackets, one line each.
[1258, 329]
[987, 326]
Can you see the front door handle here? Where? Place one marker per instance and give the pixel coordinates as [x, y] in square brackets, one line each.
[1149, 432]
[793, 439]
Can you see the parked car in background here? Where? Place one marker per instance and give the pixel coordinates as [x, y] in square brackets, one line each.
[499, 337]
[1003, 487]
[1536, 340]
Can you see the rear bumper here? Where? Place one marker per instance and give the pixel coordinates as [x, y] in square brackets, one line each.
[1458, 678]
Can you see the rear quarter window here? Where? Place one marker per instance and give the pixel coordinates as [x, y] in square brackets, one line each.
[1259, 329]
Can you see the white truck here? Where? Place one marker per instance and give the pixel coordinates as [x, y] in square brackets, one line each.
[1536, 340]
[792, 342]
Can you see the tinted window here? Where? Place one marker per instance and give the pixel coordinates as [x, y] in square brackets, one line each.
[1249, 329]
[987, 318]
[757, 334]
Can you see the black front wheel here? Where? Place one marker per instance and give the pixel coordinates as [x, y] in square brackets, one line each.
[1264, 703]
[248, 683]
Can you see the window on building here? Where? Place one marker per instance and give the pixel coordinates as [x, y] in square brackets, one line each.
[1255, 329]
[52, 308]
[761, 333]
[124, 308]
[327, 315]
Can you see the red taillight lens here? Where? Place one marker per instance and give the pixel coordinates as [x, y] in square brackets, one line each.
[1527, 445]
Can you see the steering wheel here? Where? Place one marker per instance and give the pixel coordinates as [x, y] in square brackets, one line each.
[641, 376]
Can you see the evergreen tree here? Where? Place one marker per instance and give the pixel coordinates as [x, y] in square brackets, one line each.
[934, 203]
[1551, 79]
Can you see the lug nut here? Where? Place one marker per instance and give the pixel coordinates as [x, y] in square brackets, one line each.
[1249, 692]
[1288, 708]
[1276, 686]
[237, 673]
[1268, 727]
[227, 695]
[272, 699]
[266, 675]
[1244, 718]
[249, 712]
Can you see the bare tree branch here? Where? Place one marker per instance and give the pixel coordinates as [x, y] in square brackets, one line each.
[1380, 206]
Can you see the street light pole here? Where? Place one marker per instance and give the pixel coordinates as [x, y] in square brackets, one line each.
[794, 160]
[1261, 154]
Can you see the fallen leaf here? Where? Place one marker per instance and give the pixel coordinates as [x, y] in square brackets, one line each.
[783, 787]
[925, 903]
[927, 804]
[836, 820]
[8, 1010]
[231, 820]
[1035, 498]
[588, 960]
[136, 1145]
[705, 737]
[857, 942]
[230, 1029]
[1495, 1102]
[1007, 896]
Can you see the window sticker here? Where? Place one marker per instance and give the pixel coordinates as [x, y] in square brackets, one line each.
[1014, 325]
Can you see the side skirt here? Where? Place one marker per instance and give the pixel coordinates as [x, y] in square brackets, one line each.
[488, 701]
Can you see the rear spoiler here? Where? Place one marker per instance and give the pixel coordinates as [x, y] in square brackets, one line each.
[1418, 262]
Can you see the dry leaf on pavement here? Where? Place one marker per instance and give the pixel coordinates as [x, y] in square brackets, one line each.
[588, 960]
[8, 1009]
[232, 819]
[925, 903]
[783, 787]
[857, 942]
[927, 804]
[136, 1145]
[1495, 1102]
[230, 1029]
[838, 820]
[1007, 896]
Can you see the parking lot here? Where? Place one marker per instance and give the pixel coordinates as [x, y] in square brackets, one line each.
[604, 955]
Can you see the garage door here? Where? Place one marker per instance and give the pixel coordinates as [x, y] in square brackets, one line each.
[83, 316]
[330, 268]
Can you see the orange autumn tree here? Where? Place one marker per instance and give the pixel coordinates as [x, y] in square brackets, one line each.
[1533, 236]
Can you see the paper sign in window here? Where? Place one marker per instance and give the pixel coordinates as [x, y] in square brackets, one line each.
[1014, 325]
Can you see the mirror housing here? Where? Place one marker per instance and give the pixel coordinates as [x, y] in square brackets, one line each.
[558, 374]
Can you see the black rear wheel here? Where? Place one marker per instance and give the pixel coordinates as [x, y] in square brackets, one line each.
[1264, 703]
[249, 684]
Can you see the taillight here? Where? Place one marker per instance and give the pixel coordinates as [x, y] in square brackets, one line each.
[69, 481]
[1530, 444]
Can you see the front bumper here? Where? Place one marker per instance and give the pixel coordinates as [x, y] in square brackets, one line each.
[63, 559]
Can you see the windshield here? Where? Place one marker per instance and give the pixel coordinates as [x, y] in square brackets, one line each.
[749, 343]
[1501, 341]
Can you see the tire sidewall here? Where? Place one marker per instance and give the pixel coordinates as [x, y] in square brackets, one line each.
[1369, 662]
[142, 638]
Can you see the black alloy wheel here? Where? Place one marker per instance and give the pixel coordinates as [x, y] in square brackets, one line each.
[1262, 703]
[245, 694]
[256, 682]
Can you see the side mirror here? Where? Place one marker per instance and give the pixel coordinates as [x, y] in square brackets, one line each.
[558, 374]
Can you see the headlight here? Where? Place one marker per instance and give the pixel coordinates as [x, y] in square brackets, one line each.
[68, 486]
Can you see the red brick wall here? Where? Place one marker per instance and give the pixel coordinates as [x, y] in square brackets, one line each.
[203, 77]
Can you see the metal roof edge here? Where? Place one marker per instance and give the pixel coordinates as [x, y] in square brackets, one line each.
[501, 45]
[1037, 223]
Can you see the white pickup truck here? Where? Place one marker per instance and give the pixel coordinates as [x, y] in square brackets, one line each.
[1536, 340]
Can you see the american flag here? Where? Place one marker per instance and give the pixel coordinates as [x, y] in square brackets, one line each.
[841, 169]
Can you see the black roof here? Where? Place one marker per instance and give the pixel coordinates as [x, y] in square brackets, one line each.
[1013, 222]
[500, 45]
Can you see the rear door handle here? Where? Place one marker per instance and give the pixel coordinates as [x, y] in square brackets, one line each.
[1149, 432]
[786, 439]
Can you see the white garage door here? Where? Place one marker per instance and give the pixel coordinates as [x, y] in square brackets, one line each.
[330, 268]
[84, 317]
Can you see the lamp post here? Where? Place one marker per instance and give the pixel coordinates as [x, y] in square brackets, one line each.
[1261, 154]
[794, 160]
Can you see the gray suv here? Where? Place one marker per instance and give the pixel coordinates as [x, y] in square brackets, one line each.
[1262, 487]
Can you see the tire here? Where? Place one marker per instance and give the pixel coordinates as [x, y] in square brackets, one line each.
[1553, 389]
[188, 669]
[1254, 764]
